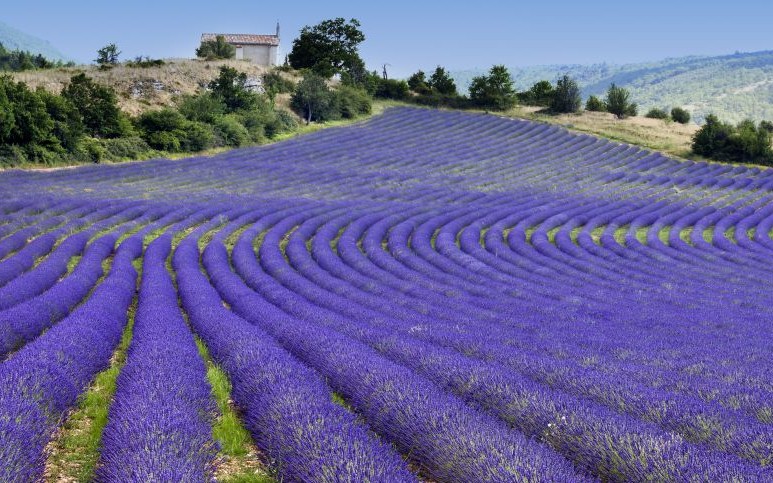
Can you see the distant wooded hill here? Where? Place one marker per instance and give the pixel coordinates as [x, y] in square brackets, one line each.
[734, 87]
[14, 39]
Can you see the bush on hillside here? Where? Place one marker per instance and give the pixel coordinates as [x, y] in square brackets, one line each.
[98, 107]
[216, 49]
[231, 132]
[566, 96]
[441, 82]
[493, 91]
[417, 82]
[594, 104]
[680, 115]
[540, 94]
[657, 113]
[745, 142]
[617, 102]
[352, 102]
[313, 100]
[391, 89]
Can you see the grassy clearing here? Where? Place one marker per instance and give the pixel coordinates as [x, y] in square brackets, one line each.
[238, 460]
[74, 452]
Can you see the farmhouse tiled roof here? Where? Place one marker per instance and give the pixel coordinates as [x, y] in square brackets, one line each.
[244, 39]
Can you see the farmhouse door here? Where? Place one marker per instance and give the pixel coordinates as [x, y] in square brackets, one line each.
[239, 52]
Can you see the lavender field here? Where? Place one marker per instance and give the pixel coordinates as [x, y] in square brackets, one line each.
[426, 295]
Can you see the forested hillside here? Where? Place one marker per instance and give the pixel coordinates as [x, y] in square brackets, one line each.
[734, 87]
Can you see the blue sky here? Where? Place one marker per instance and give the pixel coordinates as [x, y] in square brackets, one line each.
[412, 35]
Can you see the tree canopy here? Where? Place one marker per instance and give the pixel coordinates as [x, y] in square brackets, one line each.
[618, 103]
[328, 48]
[493, 91]
[216, 49]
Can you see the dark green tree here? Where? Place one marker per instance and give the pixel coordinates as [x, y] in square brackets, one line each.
[618, 102]
[594, 104]
[98, 107]
[657, 113]
[441, 82]
[313, 99]
[230, 87]
[566, 96]
[216, 49]
[68, 125]
[540, 94]
[493, 91]
[328, 48]
[680, 115]
[108, 55]
[417, 82]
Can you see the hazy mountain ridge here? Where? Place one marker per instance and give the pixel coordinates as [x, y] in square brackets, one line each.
[14, 39]
[733, 86]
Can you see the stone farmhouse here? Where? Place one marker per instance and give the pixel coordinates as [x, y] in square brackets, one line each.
[260, 49]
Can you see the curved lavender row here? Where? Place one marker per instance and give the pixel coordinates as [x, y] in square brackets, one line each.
[44, 379]
[159, 425]
[50, 270]
[448, 438]
[597, 434]
[282, 398]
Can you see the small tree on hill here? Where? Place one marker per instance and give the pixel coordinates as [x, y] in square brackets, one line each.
[566, 96]
[680, 115]
[312, 98]
[230, 88]
[107, 56]
[540, 94]
[418, 83]
[441, 82]
[656, 113]
[594, 104]
[98, 107]
[493, 91]
[216, 49]
[617, 102]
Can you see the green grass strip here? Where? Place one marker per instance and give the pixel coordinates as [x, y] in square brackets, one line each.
[75, 449]
[238, 461]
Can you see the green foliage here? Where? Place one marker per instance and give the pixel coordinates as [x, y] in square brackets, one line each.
[328, 48]
[98, 107]
[618, 103]
[230, 88]
[68, 126]
[203, 107]
[391, 89]
[216, 49]
[540, 94]
[144, 62]
[352, 102]
[27, 121]
[417, 82]
[493, 91]
[125, 149]
[231, 132]
[766, 125]
[107, 56]
[274, 83]
[313, 99]
[19, 60]
[657, 113]
[680, 115]
[594, 104]
[566, 96]
[441, 82]
[745, 142]
[163, 129]
[92, 150]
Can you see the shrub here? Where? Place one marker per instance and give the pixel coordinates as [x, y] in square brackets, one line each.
[352, 102]
[417, 82]
[745, 142]
[120, 149]
[540, 94]
[617, 102]
[285, 121]
[230, 88]
[201, 107]
[441, 82]
[680, 115]
[163, 129]
[216, 49]
[391, 89]
[231, 132]
[198, 137]
[656, 113]
[313, 99]
[98, 107]
[594, 104]
[566, 96]
[766, 125]
[92, 150]
[274, 82]
[12, 156]
[493, 91]
[144, 62]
